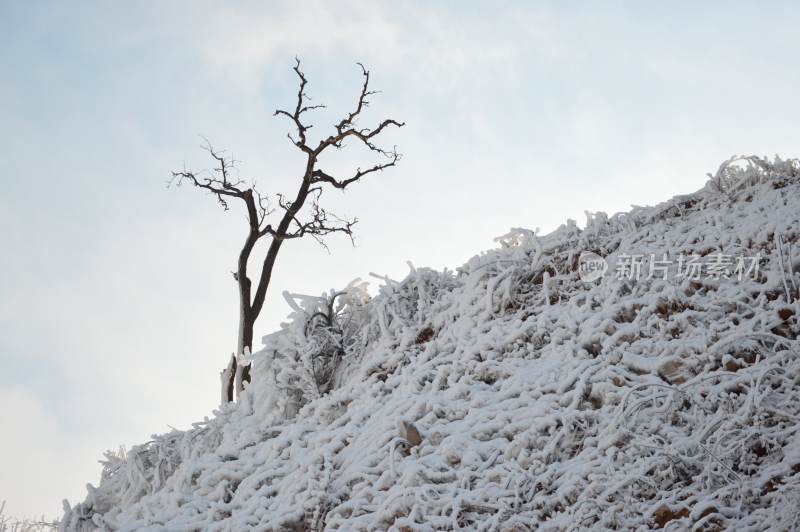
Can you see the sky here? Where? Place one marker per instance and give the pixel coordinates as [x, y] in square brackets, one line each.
[118, 309]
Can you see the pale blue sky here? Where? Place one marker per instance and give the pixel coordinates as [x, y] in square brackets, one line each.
[118, 308]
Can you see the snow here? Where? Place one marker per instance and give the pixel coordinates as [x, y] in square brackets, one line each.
[512, 395]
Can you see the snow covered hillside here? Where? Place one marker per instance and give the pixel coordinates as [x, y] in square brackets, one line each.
[511, 394]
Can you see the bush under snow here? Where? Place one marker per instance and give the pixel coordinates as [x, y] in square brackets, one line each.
[511, 395]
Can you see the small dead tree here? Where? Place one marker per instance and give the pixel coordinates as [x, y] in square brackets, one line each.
[297, 218]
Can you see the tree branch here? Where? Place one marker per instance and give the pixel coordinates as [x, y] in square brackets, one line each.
[219, 184]
[300, 108]
[345, 128]
[320, 176]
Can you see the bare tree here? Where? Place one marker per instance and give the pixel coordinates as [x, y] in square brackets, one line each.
[292, 220]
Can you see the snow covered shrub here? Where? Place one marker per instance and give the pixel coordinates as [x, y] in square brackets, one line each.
[302, 361]
[405, 309]
[740, 172]
[128, 476]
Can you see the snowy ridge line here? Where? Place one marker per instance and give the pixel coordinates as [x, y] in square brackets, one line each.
[511, 395]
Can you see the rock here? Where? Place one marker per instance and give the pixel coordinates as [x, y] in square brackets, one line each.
[409, 433]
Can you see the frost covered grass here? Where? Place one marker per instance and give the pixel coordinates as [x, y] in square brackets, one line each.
[10, 524]
[511, 395]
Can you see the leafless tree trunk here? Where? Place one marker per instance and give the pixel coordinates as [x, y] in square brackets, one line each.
[298, 217]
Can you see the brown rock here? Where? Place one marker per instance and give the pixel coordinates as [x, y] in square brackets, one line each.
[410, 433]
[664, 515]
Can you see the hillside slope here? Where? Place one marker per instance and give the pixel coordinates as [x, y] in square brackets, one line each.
[513, 395]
